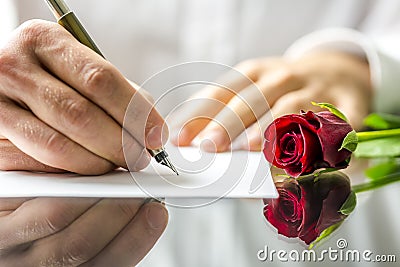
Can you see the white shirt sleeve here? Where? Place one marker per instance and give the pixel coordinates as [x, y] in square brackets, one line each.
[384, 66]
[378, 40]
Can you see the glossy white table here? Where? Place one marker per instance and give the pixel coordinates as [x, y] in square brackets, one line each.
[231, 232]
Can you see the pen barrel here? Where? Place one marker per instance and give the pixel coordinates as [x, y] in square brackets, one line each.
[72, 24]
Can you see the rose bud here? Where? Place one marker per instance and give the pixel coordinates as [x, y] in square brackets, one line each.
[307, 206]
[302, 143]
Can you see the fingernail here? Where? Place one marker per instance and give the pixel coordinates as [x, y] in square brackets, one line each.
[157, 216]
[157, 136]
[143, 160]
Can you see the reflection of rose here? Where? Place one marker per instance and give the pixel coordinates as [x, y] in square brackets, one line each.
[308, 205]
[302, 143]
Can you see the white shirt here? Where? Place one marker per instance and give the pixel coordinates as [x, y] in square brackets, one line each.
[144, 37]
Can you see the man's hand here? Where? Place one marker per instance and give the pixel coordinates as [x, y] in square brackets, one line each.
[62, 107]
[280, 86]
[78, 232]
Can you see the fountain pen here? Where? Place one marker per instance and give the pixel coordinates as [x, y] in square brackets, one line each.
[66, 18]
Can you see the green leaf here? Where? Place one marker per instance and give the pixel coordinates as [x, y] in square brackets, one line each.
[350, 141]
[383, 169]
[382, 121]
[332, 109]
[350, 204]
[327, 232]
[385, 147]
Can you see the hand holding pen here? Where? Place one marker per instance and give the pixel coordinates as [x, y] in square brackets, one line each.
[70, 22]
[62, 107]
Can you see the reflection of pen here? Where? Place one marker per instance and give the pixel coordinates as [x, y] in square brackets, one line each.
[70, 22]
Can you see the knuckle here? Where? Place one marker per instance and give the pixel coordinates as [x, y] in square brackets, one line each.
[55, 220]
[285, 76]
[76, 113]
[99, 80]
[57, 144]
[33, 30]
[126, 208]
[249, 68]
[78, 249]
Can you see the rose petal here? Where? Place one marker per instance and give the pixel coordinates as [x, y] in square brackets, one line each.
[286, 219]
[334, 189]
[331, 134]
[312, 204]
[312, 151]
[285, 146]
[286, 156]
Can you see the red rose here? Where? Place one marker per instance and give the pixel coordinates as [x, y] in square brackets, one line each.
[302, 143]
[286, 212]
[307, 206]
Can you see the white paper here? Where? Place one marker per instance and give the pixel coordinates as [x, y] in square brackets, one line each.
[238, 174]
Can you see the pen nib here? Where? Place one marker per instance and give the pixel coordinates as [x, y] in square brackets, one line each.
[166, 162]
[161, 156]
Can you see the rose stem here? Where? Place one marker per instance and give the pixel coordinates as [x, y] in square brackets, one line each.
[365, 136]
[391, 178]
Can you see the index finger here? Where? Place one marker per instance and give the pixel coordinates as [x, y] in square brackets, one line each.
[247, 107]
[95, 78]
[240, 112]
[202, 107]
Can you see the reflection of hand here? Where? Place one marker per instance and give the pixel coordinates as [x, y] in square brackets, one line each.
[287, 87]
[62, 106]
[78, 232]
